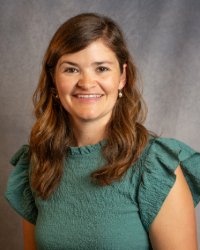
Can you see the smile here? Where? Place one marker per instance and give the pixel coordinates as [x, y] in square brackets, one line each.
[89, 96]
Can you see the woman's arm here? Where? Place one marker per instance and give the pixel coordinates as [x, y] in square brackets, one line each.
[29, 237]
[175, 225]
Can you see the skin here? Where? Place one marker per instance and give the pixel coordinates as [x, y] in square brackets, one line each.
[29, 235]
[93, 70]
[174, 227]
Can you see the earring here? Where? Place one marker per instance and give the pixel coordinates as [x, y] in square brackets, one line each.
[120, 93]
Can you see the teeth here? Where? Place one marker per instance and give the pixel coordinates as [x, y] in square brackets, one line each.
[88, 96]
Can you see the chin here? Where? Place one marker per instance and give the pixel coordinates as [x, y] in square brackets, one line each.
[88, 118]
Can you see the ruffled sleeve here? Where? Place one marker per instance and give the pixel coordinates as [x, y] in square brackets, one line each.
[18, 192]
[157, 178]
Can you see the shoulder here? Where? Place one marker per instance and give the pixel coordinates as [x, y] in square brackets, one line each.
[164, 159]
[18, 190]
[168, 229]
[22, 155]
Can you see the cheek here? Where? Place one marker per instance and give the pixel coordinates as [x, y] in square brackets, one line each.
[64, 87]
[111, 85]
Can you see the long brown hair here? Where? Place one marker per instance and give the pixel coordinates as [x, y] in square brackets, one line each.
[51, 134]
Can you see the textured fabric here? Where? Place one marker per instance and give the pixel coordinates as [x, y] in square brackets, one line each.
[18, 189]
[158, 175]
[81, 215]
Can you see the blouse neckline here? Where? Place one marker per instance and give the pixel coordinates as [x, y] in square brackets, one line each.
[91, 148]
[87, 149]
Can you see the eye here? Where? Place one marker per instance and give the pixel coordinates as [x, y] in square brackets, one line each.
[102, 69]
[70, 70]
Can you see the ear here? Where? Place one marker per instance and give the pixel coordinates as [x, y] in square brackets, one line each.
[123, 77]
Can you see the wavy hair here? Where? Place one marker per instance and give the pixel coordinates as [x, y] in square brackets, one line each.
[51, 135]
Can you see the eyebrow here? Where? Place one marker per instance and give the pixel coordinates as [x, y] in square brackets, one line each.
[94, 63]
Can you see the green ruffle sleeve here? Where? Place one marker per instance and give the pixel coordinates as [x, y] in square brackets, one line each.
[157, 176]
[18, 192]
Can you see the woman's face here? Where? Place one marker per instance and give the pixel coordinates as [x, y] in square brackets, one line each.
[88, 81]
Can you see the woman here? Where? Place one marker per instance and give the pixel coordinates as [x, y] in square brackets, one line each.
[93, 177]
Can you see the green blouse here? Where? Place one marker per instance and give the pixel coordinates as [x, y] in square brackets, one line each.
[82, 215]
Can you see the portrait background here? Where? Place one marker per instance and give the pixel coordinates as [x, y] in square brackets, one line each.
[164, 39]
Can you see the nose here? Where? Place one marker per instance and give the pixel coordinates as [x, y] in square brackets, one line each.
[86, 81]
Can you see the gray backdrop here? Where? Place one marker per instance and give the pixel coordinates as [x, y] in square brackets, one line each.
[164, 38]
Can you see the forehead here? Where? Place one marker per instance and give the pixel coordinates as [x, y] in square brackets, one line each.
[96, 51]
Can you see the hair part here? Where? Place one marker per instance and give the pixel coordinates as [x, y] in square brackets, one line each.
[52, 134]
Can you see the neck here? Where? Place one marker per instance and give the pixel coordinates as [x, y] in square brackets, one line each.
[88, 133]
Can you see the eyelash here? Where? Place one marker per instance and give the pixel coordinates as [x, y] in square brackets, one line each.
[100, 69]
[71, 70]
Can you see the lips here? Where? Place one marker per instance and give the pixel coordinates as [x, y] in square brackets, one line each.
[88, 96]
